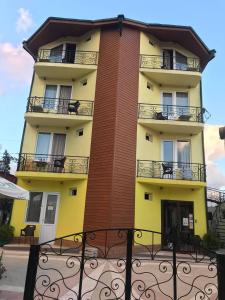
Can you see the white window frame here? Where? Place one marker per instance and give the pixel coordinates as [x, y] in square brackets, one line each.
[58, 86]
[174, 98]
[175, 152]
[51, 142]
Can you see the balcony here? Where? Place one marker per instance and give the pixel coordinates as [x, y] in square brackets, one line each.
[65, 64]
[58, 111]
[162, 71]
[171, 173]
[172, 118]
[58, 167]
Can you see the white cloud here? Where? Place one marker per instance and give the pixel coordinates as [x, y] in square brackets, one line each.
[24, 21]
[214, 153]
[16, 66]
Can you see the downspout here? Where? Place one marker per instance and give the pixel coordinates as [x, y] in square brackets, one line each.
[203, 148]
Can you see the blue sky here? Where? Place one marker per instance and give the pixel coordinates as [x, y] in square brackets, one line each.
[19, 19]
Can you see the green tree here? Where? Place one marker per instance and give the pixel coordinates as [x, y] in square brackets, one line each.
[6, 160]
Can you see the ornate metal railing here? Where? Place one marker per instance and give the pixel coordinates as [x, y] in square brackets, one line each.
[122, 264]
[53, 163]
[60, 106]
[215, 195]
[160, 62]
[68, 56]
[171, 170]
[171, 112]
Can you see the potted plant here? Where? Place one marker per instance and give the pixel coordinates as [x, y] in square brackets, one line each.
[37, 108]
[210, 241]
[6, 234]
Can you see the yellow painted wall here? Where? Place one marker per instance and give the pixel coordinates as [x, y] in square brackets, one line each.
[154, 48]
[147, 150]
[75, 145]
[71, 208]
[148, 213]
[81, 42]
[86, 92]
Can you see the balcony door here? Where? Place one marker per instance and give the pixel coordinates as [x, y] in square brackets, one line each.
[176, 154]
[50, 146]
[64, 98]
[175, 104]
[57, 97]
[174, 60]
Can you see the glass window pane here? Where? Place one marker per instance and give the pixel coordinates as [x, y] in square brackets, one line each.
[182, 103]
[56, 54]
[183, 151]
[34, 207]
[43, 144]
[50, 95]
[167, 103]
[50, 209]
[181, 61]
[168, 151]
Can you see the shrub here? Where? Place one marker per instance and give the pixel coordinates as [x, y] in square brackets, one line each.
[6, 232]
[211, 241]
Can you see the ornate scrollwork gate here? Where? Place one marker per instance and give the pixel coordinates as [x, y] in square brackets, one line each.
[121, 264]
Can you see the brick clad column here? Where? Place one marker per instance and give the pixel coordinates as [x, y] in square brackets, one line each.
[111, 182]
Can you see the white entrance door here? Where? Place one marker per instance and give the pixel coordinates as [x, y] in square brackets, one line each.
[49, 217]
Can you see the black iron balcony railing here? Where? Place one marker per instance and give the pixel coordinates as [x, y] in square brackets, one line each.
[215, 195]
[68, 57]
[53, 163]
[60, 106]
[171, 170]
[171, 112]
[169, 63]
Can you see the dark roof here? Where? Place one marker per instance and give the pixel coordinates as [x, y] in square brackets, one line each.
[54, 28]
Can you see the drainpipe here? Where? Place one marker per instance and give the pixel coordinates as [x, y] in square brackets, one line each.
[203, 148]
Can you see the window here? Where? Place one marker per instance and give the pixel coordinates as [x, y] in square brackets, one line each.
[174, 60]
[56, 54]
[50, 144]
[57, 97]
[34, 207]
[176, 151]
[177, 154]
[175, 104]
[50, 96]
[43, 145]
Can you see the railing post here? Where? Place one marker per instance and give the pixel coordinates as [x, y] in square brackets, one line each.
[221, 275]
[31, 272]
[128, 264]
[82, 266]
[174, 239]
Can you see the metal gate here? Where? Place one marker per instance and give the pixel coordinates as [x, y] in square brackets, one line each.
[122, 264]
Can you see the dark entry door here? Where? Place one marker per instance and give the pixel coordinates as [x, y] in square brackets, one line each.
[177, 215]
[70, 53]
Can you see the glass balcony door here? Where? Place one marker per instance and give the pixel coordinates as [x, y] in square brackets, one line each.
[177, 156]
[57, 97]
[175, 104]
[50, 146]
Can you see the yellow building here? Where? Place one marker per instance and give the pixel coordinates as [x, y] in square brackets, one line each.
[113, 133]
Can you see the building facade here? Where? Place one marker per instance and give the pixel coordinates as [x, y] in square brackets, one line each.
[113, 133]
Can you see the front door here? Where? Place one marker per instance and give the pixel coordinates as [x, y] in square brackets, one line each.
[177, 215]
[49, 217]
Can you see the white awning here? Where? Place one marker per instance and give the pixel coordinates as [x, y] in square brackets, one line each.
[12, 191]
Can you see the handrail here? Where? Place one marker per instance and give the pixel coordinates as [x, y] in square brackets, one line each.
[47, 163]
[171, 112]
[68, 56]
[171, 170]
[169, 63]
[59, 106]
